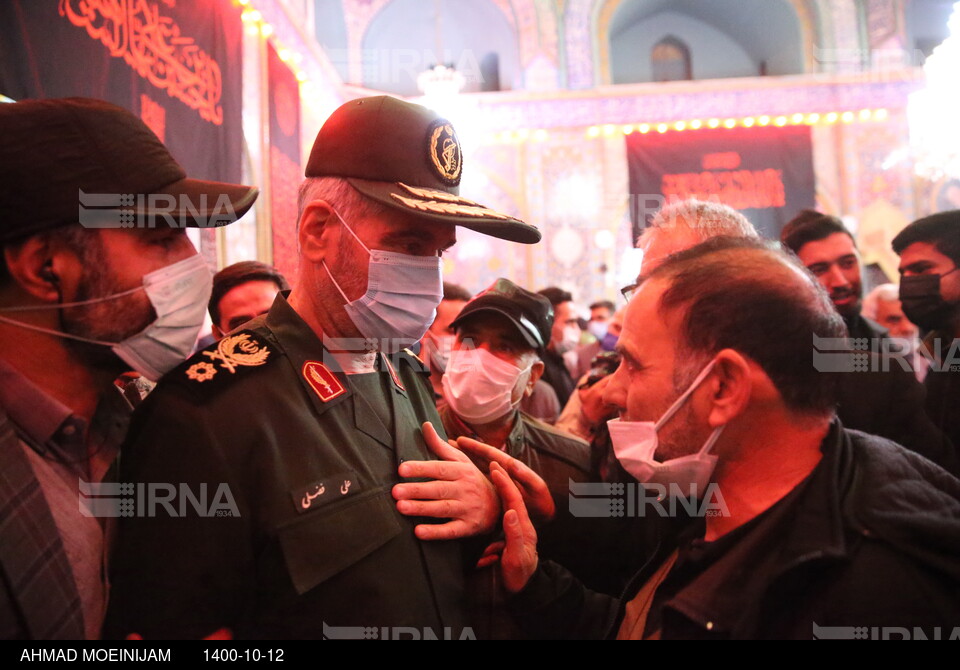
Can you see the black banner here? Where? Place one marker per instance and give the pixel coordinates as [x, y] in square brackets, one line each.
[764, 172]
[285, 171]
[175, 63]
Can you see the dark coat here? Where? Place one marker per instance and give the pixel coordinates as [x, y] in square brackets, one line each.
[38, 595]
[871, 539]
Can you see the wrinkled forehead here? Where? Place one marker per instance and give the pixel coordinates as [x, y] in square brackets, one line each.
[645, 313]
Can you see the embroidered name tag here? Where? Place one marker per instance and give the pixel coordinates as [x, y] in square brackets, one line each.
[324, 491]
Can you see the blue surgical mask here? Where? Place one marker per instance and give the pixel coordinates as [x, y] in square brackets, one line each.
[401, 300]
[179, 294]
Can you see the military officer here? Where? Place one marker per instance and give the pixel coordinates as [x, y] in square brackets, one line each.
[302, 428]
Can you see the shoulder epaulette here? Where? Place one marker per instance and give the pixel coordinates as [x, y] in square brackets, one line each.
[228, 359]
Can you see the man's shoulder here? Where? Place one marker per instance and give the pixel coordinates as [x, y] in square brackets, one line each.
[885, 463]
[900, 498]
[237, 360]
[406, 359]
[557, 443]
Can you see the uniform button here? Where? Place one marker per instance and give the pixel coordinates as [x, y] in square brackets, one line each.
[69, 429]
[709, 625]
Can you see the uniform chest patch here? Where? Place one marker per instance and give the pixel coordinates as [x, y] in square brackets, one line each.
[324, 491]
[322, 381]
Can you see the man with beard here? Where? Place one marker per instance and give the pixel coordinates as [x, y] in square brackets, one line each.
[885, 397]
[822, 530]
[929, 251]
[828, 250]
[79, 307]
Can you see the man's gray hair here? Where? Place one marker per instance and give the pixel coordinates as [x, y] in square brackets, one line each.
[705, 219]
[885, 293]
[339, 194]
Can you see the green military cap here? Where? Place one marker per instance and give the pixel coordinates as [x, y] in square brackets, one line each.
[408, 158]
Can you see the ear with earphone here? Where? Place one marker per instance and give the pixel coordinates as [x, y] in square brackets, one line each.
[47, 274]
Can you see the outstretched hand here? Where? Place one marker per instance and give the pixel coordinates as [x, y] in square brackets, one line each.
[536, 495]
[518, 560]
[459, 492]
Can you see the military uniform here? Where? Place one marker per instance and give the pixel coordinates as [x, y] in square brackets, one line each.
[314, 541]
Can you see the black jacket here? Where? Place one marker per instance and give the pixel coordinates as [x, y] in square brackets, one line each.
[870, 539]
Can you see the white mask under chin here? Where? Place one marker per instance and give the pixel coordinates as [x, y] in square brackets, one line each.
[179, 294]
[635, 445]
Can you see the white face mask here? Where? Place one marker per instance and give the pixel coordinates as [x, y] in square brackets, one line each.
[597, 328]
[179, 294]
[440, 349]
[401, 300]
[480, 388]
[635, 443]
[571, 337]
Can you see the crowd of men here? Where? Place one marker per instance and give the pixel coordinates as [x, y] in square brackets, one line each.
[305, 474]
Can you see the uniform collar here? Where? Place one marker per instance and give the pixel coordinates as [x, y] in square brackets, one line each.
[309, 358]
[305, 351]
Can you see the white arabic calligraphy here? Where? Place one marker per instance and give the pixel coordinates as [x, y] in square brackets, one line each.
[307, 499]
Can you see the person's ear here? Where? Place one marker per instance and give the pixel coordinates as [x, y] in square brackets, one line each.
[536, 371]
[35, 266]
[314, 231]
[730, 386]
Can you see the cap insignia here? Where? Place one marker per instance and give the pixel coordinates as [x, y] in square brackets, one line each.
[444, 152]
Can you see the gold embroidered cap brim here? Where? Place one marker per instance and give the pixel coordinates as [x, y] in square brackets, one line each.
[445, 207]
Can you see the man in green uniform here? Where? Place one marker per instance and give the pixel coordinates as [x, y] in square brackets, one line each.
[302, 428]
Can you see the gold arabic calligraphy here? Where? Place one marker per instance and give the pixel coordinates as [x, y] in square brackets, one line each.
[153, 46]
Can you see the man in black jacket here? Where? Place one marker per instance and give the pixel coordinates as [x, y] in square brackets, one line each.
[929, 251]
[822, 530]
